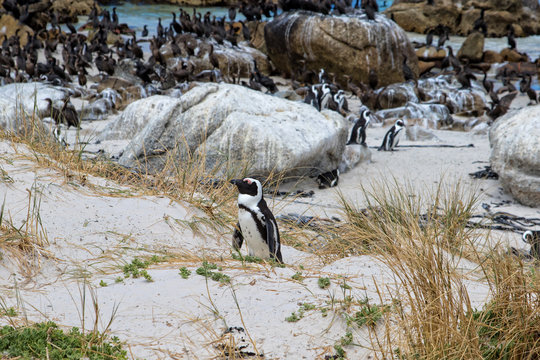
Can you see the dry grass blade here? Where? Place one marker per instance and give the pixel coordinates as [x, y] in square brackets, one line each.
[417, 237]
[27, 243]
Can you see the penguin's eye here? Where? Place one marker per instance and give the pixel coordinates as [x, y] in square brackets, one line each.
[247, 181]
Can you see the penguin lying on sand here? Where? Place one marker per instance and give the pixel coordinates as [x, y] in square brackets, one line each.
[256, 223]
[391, 138]
[328, 179]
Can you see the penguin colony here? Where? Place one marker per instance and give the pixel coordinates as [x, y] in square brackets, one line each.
[69, 57]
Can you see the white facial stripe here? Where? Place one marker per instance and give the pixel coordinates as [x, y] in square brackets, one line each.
[250, 201]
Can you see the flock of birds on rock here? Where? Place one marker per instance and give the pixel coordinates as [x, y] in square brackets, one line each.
[195, 35]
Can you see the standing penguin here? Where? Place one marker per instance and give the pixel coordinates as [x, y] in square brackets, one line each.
[312, 98]
[256, 223]
[391, 138]
[532, 237]
[358, 133]
[325, 95]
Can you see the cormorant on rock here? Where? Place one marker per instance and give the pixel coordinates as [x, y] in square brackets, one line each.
[429, 37]
[232, 13]
[408, 74]
[510, 35]
[443, 36]
[464, 76]
[501, 107]
[480, 23]
[373, 79]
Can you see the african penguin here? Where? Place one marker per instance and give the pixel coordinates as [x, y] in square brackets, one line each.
[325, 96]
[532, 237]
[312, 98]
[256, 223]
[323, 77]
[328, 179]
[391, 138]
[358, 132]
[341, 101]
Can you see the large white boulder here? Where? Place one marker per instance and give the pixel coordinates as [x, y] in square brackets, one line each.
[23, 103]
[231, 127]
[515, 153]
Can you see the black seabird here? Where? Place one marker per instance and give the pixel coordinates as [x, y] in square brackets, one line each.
[256, 223]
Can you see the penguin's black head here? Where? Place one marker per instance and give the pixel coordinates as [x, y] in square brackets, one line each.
[247, 186]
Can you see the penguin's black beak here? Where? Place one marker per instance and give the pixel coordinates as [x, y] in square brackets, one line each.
[235, 181]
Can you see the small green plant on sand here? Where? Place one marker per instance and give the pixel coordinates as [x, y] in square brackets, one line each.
[368, 315]
[10, 311]
[184, 272]
[323, 282]
[298, 276]
[137, 267]
[206, 271]
[297, 315]
[47, 341]
[102, 283]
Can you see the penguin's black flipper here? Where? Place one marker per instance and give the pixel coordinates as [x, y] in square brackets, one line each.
[238, 238]
[271, 236]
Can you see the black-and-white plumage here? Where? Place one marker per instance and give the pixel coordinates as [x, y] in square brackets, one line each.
[325, 96]
[323, 77]
[328, 179]
[358, 132]
[532, 237]
[341, 102]
[312, 98]
[391, 138]
[256, 223]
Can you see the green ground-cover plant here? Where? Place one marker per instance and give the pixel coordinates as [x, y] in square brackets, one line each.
[47, 341]
[206, 271]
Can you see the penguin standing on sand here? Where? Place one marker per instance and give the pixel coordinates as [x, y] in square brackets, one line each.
[256, 223]
[391, 138]
[358, 133]
[532, 237]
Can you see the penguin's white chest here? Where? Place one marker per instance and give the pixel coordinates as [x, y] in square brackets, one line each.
[255, 242]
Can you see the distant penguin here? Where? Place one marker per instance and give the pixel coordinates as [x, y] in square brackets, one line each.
[312, 98]
[256, 223]
[144, 32]
[325, 95]
[358, 132]
[341, 102]
[323, 77]
[391, 138]
[328, 179]
[532, 237]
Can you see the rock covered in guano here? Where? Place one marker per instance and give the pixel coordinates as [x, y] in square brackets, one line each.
[515, 153]
[343, 45]
[230, 126]
[22, 103]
